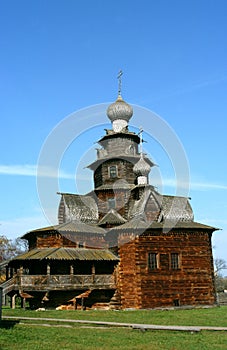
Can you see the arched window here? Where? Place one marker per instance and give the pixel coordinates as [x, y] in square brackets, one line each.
[131, 149]
[113, 171]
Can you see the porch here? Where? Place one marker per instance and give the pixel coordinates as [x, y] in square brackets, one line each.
[64, 282]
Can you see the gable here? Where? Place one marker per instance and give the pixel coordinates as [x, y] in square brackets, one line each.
[147, 204]
[75, 207]
[176, 209]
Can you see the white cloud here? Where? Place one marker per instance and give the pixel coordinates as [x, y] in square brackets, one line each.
[173, 183]
[45, 171]
[205, 185]
[33, 170]
[24, 170]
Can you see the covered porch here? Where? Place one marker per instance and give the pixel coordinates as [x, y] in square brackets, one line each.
[61, 269]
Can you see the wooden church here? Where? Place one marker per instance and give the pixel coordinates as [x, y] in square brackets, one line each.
[123, 245]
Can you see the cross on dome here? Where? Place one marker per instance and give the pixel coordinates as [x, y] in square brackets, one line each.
[119, 112]
[119, 82]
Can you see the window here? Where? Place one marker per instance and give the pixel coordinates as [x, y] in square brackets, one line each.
[176, 302]
[111, 203]
[175, 261]
[113, 171]
[131, 149]
[152, 261]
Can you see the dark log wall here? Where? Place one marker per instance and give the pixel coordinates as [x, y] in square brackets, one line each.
[98, 177]
[121, 201]
[191, 284]
[32, 242]
[124, 171]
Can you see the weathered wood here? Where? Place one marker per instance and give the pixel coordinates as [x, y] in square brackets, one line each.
[65, 282]
[124, 171]
[181, 272]
[190, 284]
[121, 324]
[59, 240]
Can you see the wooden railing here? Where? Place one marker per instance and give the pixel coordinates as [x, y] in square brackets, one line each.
[65, 282]
[8, 286]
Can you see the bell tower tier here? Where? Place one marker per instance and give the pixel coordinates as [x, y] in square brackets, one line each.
[120, 165]
[119, 149]
[116, 159]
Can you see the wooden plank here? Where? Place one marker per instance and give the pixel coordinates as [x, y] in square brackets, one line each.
[120, 324]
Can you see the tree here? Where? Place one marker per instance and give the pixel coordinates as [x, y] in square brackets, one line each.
[219, 265]
[220, 281]
[8, 250]
[11, 248]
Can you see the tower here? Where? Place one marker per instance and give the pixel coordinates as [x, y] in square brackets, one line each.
[120, 164]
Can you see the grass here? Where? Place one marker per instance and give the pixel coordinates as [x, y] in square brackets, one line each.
[47, 338]
[216, 316]
[36, 337]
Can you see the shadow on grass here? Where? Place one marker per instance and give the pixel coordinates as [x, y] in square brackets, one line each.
[6, 324]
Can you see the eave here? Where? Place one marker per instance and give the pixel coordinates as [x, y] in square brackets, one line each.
[132, 159]
[111, 134]
[67, 254]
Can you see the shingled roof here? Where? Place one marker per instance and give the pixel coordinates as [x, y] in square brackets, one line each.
[139, 224]
[137, 207]
[68, 254]
[80, 207]
[69, 228]
[112, 217]
[172, 208]
[175, 208]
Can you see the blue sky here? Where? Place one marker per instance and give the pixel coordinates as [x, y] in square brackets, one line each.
[58, 57]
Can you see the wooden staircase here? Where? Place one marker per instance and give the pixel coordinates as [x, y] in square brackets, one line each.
[115, 301]
[7, 287]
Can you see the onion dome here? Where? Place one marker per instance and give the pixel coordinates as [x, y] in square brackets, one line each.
[119, 110]
[141, 168]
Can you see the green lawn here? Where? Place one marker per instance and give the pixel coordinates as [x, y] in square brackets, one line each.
[216, 316]
[36, 337]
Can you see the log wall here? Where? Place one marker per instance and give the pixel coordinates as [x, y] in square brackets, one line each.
[124, 171]
[54, 240]
[128, 273]
[121, 201]
[191, 284]
[57, 240]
